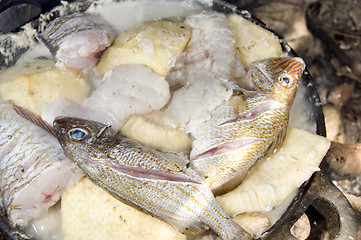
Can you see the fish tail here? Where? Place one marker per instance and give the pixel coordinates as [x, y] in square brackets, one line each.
[217, 220]
[227, 229]
[28, 115]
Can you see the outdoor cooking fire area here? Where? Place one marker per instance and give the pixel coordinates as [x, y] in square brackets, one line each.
[326, 34]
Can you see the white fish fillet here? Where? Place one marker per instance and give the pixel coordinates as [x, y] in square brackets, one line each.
[201, 134]
[33, 169]
[125, 90]
[209, 61]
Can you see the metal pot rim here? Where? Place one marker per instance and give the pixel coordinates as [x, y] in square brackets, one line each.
[217, 5]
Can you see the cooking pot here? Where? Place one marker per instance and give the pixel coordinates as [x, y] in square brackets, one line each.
[325, 206]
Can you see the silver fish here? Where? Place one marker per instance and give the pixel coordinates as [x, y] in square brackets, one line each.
[224, 153]
[157, 183]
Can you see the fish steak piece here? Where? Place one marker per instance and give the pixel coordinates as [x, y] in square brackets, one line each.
[75, 40]
[203, 70]
[33, 168]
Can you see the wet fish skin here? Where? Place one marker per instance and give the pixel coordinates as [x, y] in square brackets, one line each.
[276, 78]
[224, 155]
[29, 157]
[75, 40]
[157, 183]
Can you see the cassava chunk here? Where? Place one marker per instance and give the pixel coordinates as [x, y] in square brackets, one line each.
[151, 130]
[33, 85]
[254, 42]
[155, 44]
[88, 212]
[278, 174]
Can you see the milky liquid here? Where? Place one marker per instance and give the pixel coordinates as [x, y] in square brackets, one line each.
[120, 16]
[123, 15]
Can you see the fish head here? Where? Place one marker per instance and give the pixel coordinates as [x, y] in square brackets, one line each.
[82, 140]
[277, 77]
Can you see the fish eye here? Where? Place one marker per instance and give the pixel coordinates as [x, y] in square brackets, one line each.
[78, 134]
[285, 79]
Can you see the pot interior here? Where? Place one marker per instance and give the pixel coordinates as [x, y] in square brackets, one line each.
[11, 49]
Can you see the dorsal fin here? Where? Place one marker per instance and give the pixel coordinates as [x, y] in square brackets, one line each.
[33, 118]
[278, 141]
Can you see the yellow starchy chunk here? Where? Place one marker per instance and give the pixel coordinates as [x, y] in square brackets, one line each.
[254, 42]
[88, 212]
[33, 85]
[151, 130]
[253, 223]
[277, 175]
[155, 44]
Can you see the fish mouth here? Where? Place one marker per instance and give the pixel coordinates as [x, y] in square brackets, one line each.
[300, 60]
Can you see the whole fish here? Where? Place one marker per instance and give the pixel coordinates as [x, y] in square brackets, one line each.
[157, 183]
[224, 153]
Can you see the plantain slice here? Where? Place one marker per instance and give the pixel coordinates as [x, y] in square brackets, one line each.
[277, 175]
[33, 85]
[155, 44]
[88, 212]
[254, 42]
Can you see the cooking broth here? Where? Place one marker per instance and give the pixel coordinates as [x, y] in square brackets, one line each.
[122, 15]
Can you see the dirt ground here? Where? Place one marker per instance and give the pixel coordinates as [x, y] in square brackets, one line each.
[327, 35]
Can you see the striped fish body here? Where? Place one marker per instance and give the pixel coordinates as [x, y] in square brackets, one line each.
[228, 145]
[157, 183]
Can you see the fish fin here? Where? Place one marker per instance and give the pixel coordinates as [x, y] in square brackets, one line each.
[253, 113]
[225, 148]
[211, 132]
[147, 173]
[274, 147]
[28, 115]
[178, 157]
[249, 93]
[191, 229]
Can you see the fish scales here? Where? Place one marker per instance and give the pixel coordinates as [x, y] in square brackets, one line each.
[225, 149]
[130, 152]
[76, 39]
[29, 158]
[157, 183]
